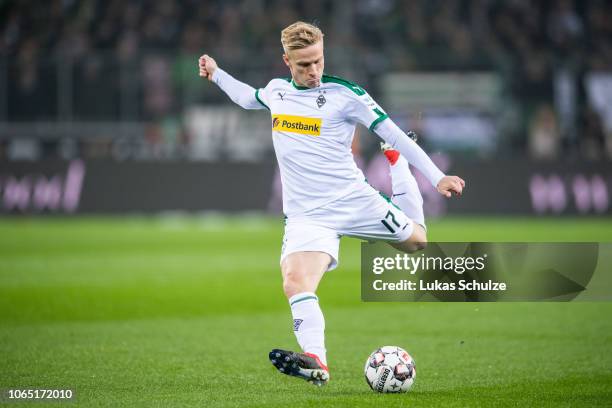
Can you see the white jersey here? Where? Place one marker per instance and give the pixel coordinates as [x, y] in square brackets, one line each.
[312, 132]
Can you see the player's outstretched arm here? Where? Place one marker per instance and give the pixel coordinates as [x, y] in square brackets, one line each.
[392, 134]
[239, 92]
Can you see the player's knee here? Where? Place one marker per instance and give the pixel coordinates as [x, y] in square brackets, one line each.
[293, 280]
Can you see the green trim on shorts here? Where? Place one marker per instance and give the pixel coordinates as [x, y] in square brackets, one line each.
[383, 195]
[386, 197]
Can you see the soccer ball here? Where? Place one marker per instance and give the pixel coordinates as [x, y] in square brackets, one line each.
[390, 369]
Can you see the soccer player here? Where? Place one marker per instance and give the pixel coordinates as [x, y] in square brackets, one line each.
[325, 195]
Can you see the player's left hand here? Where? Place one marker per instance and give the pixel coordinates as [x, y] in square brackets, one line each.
[449, 185]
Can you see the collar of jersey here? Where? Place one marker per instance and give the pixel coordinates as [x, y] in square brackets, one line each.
[298, 87]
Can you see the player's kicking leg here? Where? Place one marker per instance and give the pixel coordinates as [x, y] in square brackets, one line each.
[302, 272]
[407, 196]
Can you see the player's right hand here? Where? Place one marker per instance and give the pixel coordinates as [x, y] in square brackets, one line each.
[207, 66]
[449, 185]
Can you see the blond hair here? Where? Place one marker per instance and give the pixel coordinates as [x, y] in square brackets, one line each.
[300, 35]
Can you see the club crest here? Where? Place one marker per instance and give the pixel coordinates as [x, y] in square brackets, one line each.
[321, 100]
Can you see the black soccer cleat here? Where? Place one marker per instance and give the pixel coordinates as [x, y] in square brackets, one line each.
[306, 366]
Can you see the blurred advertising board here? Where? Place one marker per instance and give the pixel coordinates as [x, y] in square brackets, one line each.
[500, 187]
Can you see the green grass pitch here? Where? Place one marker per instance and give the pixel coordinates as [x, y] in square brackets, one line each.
[183, 311]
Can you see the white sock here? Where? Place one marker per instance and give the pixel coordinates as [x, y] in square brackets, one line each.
[406, 194]
[309, 324]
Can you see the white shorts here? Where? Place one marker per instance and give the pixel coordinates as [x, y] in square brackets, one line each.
[364, 213]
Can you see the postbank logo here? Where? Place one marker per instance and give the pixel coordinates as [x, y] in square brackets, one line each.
[297, 124]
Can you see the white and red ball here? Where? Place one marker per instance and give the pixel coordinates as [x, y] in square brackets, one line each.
[390, 369]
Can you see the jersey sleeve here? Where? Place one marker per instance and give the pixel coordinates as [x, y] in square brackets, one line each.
[261, 95]
[240, 93]
[363, 109]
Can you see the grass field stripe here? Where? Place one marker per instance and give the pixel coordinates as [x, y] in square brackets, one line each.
[115, 314]
[302, 299]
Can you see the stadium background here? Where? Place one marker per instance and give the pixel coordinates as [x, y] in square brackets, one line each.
[141, 218]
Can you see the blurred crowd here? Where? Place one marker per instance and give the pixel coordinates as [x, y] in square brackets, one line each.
[135, 59]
